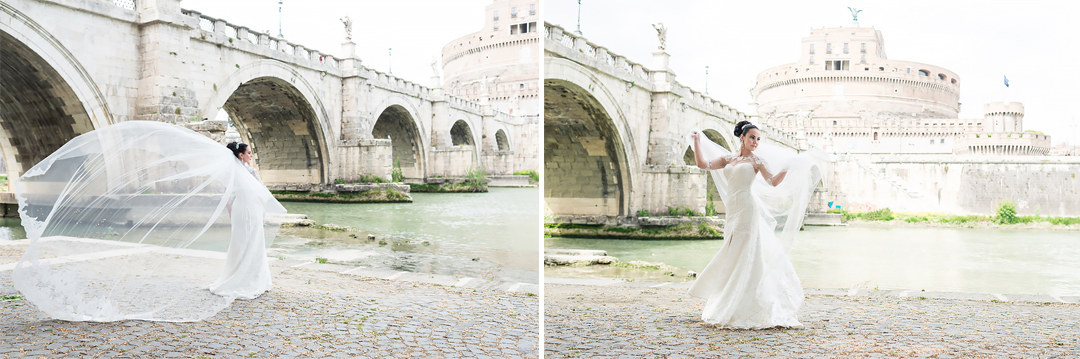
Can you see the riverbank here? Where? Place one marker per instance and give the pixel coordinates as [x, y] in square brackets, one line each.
[1005, 218]
[607, 319]
[643, 228]
[314, 310]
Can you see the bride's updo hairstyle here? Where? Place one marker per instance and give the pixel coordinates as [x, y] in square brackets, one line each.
[742, 127]
[238, 148]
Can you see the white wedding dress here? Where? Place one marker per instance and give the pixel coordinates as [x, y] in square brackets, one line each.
[247, 271]
[133, 221]
[750, 283]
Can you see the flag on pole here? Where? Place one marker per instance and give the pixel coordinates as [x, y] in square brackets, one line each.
[1006, 81]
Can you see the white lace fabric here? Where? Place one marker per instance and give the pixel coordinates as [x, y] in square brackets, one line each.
[132, 221]
[750, 282]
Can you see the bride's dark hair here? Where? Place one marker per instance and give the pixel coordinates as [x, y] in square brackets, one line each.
[742, 127]
[237, 148]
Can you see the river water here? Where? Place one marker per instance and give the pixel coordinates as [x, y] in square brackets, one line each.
[883, 257]
[483, 235]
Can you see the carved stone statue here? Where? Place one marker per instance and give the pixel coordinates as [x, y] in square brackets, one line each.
[854, 13]
[348, 28]
[661, 34]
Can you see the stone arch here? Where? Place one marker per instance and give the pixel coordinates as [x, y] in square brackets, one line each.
[281, 116]
[586, 170]
[710, 185]
[400, 126]
[48, 97]
[502, 143]
[461, 134]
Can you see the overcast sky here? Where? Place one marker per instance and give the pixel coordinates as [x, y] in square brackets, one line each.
[416, 30]
[1035, 43]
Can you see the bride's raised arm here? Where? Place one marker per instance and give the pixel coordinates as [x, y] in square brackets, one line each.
[701, 160]
[773, 180]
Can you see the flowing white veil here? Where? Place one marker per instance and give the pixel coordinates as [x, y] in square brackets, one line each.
[131, 221]
[783, 206]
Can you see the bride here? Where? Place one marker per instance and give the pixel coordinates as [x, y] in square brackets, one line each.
[750, 283]
[130, 221]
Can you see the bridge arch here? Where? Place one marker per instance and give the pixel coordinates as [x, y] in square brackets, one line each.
[280, 114]
[401, 126]
[48, 97]
[502, 142]
[587, 155]
[710, 186]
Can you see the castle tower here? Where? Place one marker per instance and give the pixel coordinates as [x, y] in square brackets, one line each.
[1004, 117]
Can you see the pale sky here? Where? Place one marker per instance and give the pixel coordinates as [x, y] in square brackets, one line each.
[416, 30]
[1035, 43]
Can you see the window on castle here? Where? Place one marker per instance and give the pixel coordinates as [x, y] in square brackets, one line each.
[532, 9]
[863, 48]
[513, 12]
[828, 48]
[924, 73]
[513, 29]
[811, 49]
[837, 65]
[495, 15]
[845, 48]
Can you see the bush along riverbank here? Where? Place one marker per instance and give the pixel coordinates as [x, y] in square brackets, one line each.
[677, 223]
[344, 192]
[1004, 217]
[475, 180]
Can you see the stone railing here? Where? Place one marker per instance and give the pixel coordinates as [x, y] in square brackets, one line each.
[618, 64]
[463, 104]
[241, 33]
[392, 82]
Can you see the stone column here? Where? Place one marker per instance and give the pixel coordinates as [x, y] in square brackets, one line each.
[353, 87]
[164, 44]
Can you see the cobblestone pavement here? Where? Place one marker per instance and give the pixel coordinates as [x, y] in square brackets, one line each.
[628, 321]
[309, 313]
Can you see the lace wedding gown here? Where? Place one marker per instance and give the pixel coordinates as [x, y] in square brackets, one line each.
[133, 221]
[750, 283]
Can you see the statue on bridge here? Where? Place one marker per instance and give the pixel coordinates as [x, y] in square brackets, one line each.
[348, 27]
[661, 34]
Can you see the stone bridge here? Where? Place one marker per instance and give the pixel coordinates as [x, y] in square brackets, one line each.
[615, 133]
[70, 66]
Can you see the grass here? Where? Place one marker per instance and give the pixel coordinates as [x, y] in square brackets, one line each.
[1005, 215]
[533, 176]
[678, 211]
[362, 179]
[372, 196]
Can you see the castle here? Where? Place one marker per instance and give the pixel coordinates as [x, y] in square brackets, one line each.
[845, 95]
[500, 64]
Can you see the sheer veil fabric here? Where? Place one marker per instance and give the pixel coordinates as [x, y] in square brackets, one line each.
[132, 221]
[750, 283]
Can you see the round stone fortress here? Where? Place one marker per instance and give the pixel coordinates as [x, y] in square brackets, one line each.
[500, 63]
[842, 72]
[845, 95]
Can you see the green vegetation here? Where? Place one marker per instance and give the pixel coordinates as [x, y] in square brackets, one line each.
[710, 207]
[475, 181]
[1005, 215]
[682, 231]
[674, 212]
[362, 179]
[395, 174]
[320, 260]
[10, 298]
[533, 176]
[372, 196]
